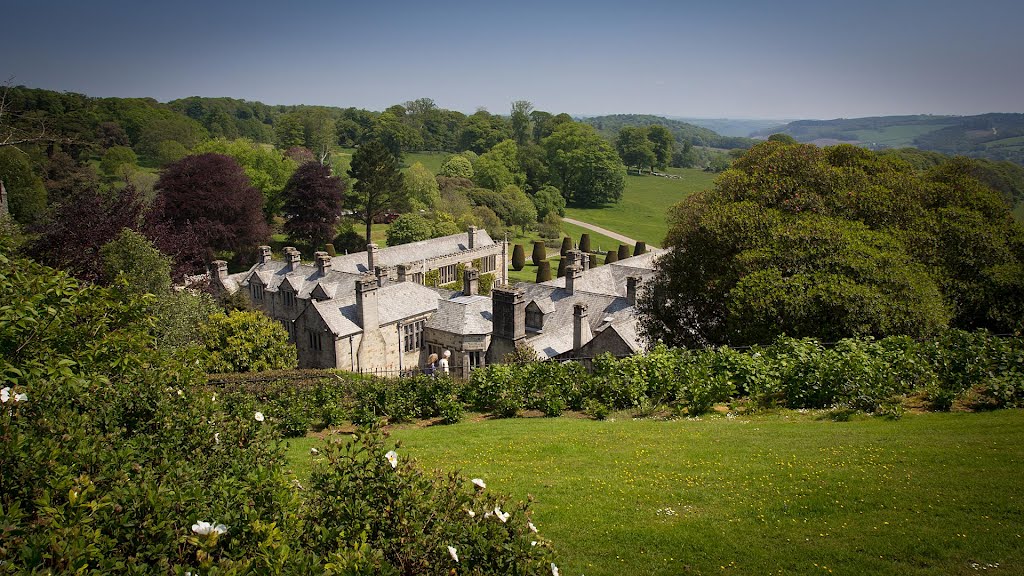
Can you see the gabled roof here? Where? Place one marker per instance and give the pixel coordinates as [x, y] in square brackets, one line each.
[556, 337]
[466, 315]
[610, 279]
[356, 262]
[395, 302]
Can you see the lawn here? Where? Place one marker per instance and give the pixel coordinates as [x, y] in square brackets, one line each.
[785, 493]
[641, 214]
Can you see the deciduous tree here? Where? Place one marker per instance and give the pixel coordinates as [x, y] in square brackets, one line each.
[584, 167]
[312, 204]
[209, 195]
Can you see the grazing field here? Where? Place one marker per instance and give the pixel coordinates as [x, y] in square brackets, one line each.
[431, 160]
[895, 136]
[782, 493]
[645, 202]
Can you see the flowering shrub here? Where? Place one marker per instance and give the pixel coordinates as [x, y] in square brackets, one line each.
[116, 459]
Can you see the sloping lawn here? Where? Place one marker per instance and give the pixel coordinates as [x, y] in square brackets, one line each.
[785, 493]
[642, 213]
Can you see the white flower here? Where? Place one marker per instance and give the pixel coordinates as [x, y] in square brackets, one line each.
[479, 483]
[531, 527]
[216, 437]
[453, 553]
[488, 514]
[503, 516]
[258, 416]
[180, 392]
[23, 397]
[214, 398]
[554, 569]
[533, 543]
[204, 528]
[471, 513]
[5, 394]
[392, 458]
[314, 451]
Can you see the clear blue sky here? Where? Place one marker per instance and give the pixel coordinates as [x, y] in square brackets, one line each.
[714, 58]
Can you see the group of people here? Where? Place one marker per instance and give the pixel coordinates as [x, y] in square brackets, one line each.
[433, 365]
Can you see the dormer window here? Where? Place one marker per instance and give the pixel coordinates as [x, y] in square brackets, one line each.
[289, 298]
[257, 291]
[534, 317]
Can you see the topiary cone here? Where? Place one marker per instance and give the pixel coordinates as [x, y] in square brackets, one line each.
[640, 248]
[612, 256]
[594, 260]
[585, 242]
[543, 271]
[566, 245]
[539, 254]
[518, 258]
[330, 250]
[623, 252]
[562, 266]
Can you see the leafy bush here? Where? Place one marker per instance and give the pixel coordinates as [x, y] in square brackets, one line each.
[246, 342]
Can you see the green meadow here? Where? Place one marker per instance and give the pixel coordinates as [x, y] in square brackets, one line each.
[641, 214]
[777, 493]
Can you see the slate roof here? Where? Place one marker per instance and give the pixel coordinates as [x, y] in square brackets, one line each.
[303, 280]
[467, 315]
[395, 302]
[356, 263]
[556, 335]
[610, 279]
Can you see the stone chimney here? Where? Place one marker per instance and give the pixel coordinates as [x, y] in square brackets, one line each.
[581, 333]
[403, 273]
[323, 263]
[371, 257]
[470, 281]
[472, 237]
[366, 302]
[572, 274]
[508, 319]
[631, 284]
[218, 273]
[372, 352]
[265, 254]
[292, 258]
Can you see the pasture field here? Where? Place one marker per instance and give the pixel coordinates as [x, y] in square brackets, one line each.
[895, 136]
[641, 214]
[776, 493]
[431, 160]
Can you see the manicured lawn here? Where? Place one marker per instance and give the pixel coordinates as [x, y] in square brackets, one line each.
[645, 202]
[431, 160]
[598, 242]
[783, 493]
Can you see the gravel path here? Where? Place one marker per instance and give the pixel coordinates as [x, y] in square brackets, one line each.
[599, 230]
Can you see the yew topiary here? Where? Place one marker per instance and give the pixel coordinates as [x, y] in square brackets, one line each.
[543, 271]
[539, 254]
[518, 258]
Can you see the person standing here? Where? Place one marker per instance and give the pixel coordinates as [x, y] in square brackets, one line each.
[431, 366]
[443, 364]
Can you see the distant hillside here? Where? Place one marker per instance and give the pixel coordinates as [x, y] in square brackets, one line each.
[609, 127]
[733, 126]
[991, 136]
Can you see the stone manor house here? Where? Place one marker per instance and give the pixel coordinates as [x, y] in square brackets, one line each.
[385, 310]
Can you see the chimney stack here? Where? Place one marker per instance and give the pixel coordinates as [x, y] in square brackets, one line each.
[403, 273]
[581, 333]
[366, 302]
[631, 284]
[264, 254]
[292, 258]
[472, 237]
[371, 257]
[470, 281]
[572, 274]
[323, 263]
[218, 273]
[508, 318]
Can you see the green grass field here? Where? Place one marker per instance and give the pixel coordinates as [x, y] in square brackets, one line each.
[895, 136]
[783, 493]
[641, 214]
[431, 160]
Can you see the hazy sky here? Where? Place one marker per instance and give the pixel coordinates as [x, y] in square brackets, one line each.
[714, 58]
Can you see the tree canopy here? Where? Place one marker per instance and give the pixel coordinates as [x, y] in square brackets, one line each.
[836, 242]
[312, 204]
[584, 166]
[210, 196]
[379, 185]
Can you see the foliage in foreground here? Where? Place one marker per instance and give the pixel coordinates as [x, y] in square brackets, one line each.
[116, 461]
